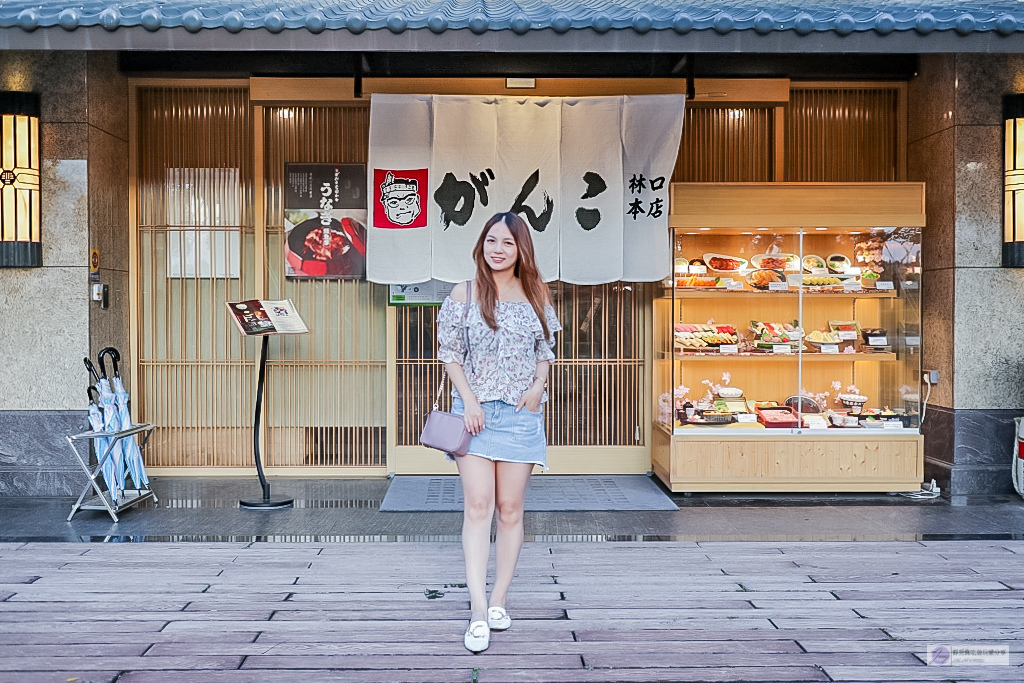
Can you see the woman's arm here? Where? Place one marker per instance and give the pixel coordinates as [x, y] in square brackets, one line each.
[532, 398]
[473, 415]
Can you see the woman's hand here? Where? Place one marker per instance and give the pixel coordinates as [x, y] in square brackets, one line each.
[531, 399]
[472, 415]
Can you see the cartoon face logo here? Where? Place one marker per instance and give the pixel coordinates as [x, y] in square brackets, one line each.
[401, 199]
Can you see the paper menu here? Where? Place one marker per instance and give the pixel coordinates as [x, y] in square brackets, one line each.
[258, 317]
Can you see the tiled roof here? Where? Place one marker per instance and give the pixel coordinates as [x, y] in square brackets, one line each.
[560, 16]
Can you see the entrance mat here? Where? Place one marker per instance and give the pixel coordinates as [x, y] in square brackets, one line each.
[546, 493]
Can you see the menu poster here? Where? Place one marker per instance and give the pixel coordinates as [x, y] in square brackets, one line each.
[258, 317]
[325, 221]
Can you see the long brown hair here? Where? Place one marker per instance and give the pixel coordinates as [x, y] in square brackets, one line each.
[525, 269]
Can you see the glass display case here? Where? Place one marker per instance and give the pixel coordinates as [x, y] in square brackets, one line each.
[788, 340]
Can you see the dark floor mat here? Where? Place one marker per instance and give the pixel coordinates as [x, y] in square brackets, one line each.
[546, 493]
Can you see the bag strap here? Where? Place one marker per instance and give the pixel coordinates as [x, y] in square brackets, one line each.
[465, 325]
[465, 337]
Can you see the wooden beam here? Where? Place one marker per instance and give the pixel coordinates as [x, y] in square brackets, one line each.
[779, 205]
[720, 91]
[544, 87]
[301, 91]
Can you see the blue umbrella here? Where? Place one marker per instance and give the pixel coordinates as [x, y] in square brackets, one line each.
[96, 422]
[132, 454]
[111, 423]
[99, 424]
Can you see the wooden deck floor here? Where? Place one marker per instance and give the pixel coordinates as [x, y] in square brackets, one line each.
[601, 612]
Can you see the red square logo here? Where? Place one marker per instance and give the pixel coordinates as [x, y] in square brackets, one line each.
[399, 198]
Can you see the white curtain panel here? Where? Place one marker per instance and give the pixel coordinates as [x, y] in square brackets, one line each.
[652, 126]
[399, 140]
[464, 157]
[592, 191]
[527, 175]
[593, 172]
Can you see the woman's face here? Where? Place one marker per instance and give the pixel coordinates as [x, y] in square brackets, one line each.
[500, 250]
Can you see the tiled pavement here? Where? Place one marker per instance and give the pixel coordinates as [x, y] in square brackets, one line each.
[376, 596]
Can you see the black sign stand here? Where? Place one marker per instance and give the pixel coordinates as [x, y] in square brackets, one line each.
[266, 503]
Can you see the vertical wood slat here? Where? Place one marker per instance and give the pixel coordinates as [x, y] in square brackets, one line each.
[597, 387]
[837, 133]
[327, 390]
[194, 373]
[719, 144]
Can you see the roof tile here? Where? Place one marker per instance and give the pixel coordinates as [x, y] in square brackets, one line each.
[482, 16]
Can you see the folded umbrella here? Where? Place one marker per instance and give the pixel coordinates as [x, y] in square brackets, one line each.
[111, 423]
[98, 424]
[132, 454]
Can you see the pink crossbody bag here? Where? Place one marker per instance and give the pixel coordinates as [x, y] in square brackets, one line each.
[443, 430]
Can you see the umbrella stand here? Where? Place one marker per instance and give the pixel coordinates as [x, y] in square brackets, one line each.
[103, 500]
[266, 503]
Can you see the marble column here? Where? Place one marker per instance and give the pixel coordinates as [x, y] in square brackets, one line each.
[51, 323]
[973, 308]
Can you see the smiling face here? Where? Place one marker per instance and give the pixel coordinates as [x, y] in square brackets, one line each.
[500, 250]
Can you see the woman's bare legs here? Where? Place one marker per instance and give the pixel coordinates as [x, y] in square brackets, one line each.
[478, 477]
[510, 482]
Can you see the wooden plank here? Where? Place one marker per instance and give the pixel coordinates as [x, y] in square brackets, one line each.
[57, 676]
[914, 647]
[78, 650]
[64, 626]
[684, 614]
[390, 662]
[912, 605]
[671, 660]
[924, 673]
[756, 584]
[791, 674]
[304, 676]
[103, 663]
[432, 613]
[499, 645]
[452, 633]
[111, 616]
[122, 637]
[927, 596]
[17, 579]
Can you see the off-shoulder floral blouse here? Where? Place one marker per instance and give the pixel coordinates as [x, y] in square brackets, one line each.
[503, 363]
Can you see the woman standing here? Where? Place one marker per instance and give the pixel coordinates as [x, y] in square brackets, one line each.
[498, 388]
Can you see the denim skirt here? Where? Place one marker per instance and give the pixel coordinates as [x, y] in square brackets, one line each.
[508, 436]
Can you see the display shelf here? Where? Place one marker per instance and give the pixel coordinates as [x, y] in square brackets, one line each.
[832, 222]
[717, 292]
[776, 357]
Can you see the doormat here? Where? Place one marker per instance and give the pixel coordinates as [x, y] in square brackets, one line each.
[546, 493]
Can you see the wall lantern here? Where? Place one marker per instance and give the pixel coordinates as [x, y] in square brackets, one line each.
[20, 245]
[1013, 181]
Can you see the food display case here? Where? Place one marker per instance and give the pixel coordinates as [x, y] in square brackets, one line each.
[788, 340]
